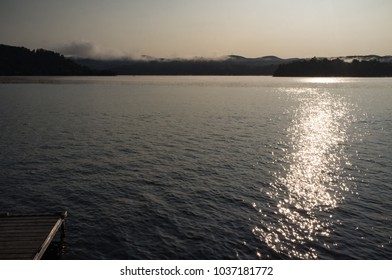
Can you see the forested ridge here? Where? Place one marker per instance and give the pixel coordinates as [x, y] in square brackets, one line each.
[20, 61]
[334, 68]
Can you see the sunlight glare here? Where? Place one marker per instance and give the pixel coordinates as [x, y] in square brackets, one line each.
[310, 187]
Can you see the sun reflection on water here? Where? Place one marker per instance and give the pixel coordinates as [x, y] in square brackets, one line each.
[310, 185]
[323, 80]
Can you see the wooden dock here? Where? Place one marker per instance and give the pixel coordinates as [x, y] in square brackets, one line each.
[24, 237]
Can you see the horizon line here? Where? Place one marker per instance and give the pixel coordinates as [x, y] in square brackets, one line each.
[187, 57]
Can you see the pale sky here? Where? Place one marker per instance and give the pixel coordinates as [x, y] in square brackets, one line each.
[211, 28]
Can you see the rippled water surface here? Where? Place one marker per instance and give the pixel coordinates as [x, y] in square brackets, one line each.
[203, 167]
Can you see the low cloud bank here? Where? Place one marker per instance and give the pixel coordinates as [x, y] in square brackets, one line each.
[86, 49]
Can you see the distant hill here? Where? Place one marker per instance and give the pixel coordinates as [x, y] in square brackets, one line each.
[20, 61]
[369, 66]
[345, 66]
[228, 65]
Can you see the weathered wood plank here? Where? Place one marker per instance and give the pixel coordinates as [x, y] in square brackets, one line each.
[26, 235]
[33, 225]
[24, 225]
[33, 216]
[4, 225]
[27, 251]
[15, 256]
[24, 230]
[26, 218]
[19, 244]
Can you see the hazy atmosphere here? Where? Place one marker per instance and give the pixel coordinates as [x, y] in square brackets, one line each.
[188, 28]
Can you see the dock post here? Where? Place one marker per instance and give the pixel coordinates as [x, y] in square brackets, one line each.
[63, 216]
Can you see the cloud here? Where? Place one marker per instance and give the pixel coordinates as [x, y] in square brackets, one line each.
[88, 49]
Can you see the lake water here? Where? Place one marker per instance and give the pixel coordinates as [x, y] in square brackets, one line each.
[203, 167]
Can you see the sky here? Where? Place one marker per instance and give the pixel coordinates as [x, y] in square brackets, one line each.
[209, 28]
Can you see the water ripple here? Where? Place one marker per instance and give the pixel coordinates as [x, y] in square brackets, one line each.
[203, 167]
[311, 185]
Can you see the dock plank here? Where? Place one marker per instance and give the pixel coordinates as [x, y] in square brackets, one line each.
[16, 256]
[32, 243]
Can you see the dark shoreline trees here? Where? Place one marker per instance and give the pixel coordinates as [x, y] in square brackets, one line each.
[334, 68]
[20, 61]
[224, 67]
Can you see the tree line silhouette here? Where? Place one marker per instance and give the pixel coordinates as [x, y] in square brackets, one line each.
[194, 67]
[24, 62]
[334, 68]
[199, 66]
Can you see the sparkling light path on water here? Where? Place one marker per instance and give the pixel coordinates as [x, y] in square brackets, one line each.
[310, 184]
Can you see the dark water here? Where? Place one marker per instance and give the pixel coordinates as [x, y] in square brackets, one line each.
[203, 167]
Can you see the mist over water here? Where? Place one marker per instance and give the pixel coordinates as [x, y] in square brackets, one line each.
[203, 167]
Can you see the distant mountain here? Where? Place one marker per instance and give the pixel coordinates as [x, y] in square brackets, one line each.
[240, 65]
[228, 65]
[20, 61]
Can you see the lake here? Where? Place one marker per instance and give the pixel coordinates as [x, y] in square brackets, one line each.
[202, 167]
